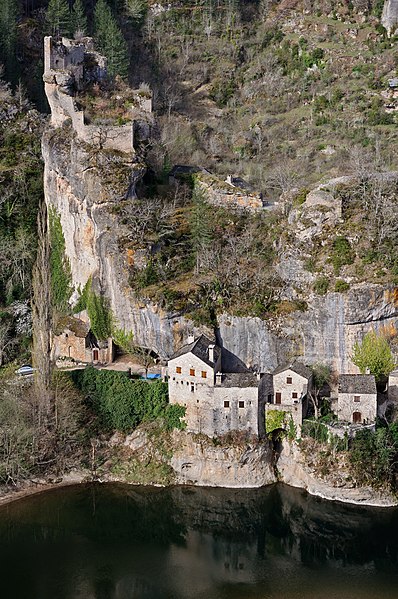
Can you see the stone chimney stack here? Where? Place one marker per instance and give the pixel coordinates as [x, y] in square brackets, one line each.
[191, 338]
[229, 180]
[211, 353]
[218, 378]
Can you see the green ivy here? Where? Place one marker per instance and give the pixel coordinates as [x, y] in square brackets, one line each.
[61, 276]
[274, 419]
[100, 315]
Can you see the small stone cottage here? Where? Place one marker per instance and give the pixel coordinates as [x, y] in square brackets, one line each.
[74, 341]
[357, 398]
[290, 387]
[215, 402]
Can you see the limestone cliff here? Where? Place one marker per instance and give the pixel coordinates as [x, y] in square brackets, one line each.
[89, 175]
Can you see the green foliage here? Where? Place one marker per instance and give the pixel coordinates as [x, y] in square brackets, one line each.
[78, 18]
[321, 375]
[291, 430]
[100, 314]
[8, 35]
[373, 353]
[124, 339]
[342, 253]
[61, 277]
[121, 404]
[137, 10]
[222, 91]
[341, 286]
[200, 227]
[81, 303]
[58, 18]
[321, 285]
[373, 457]
[110, 40]
[315, 429]
[274, 419]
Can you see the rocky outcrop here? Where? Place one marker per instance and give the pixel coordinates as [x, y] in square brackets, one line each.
[389, 18]
[292, 470]
[196, 460]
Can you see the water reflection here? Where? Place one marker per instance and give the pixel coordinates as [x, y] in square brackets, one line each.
[118, 542]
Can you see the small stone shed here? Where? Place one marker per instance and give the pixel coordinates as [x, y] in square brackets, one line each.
[357, 398]
[74, 341]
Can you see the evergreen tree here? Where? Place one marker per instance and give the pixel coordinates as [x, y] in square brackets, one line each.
[58, 18]
[110, 40]
[79, 19]
[200, 225]
[8, 36]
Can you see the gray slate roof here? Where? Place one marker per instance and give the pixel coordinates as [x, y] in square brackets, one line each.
[357, 383]
[239, 379]
[297, 367]
[200, 349]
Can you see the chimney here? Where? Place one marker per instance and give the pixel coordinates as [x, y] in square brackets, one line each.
[367, 371]
[191, 338]
[218, 378]
[211, 353]
[229, 180]
[258, 375]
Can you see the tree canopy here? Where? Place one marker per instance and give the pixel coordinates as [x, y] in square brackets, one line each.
[373, 354]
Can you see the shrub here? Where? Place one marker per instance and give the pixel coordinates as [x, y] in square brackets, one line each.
[342, 253]
[341, 286]
[321, 285]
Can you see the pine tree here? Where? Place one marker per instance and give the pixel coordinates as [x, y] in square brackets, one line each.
[110, 40]
[200, 225]
[8, 35]
[79, 19]
[58, 18]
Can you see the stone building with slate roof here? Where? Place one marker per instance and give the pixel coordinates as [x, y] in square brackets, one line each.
[73, 341]
[216, 402]
[357, 398]
[291, 385]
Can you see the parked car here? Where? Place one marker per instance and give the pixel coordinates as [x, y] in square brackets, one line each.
[25, 369]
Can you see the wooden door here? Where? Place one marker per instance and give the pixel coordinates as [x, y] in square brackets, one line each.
[278, 397]
[357, 417]
[95, 355]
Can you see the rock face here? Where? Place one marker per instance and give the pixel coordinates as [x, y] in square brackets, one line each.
[389, 18]
[293, 471]
[86, 183]
[197, 461]
[326, 332]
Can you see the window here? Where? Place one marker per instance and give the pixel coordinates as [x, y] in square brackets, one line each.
[191, 372]
[241, 404]
[294, 395]
[178, 369]
[270, 398]
[357, 398]
[192, 387]
[226, 404]
[289, 380]
[204, 374]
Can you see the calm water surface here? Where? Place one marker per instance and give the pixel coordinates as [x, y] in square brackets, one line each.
[117, 542]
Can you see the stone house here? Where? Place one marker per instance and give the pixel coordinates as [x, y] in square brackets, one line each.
[290, 387]
[215, 402]
[357, 398]
[73, 341]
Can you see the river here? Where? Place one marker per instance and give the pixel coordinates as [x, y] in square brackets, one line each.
[120, 542]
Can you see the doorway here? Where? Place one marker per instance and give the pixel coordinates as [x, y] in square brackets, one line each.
[357, 417]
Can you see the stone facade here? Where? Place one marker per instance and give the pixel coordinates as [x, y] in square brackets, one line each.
[226, 194]
[64, 73]
[357, 399]
[215, 403]
[393, 386]
[290, 387]
[76, 343]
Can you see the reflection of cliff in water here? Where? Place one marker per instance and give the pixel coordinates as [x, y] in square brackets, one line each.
[117, 542]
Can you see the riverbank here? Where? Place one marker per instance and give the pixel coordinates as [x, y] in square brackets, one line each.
[195, 460]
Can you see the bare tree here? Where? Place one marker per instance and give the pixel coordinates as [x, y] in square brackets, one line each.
[42, 320]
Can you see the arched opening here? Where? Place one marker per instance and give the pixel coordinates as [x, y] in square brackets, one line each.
[357, 417]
